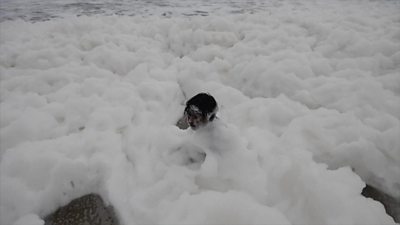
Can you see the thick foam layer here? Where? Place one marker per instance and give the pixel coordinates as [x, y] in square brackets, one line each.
[308, 96]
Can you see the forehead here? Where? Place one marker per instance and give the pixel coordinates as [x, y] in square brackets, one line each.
[194, 116]
[193, 111]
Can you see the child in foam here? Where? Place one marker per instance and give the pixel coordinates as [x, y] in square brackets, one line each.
[200, 110]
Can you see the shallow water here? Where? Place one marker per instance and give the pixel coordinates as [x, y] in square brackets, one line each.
[42, 10]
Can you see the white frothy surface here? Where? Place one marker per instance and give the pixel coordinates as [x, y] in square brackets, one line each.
[308, 92]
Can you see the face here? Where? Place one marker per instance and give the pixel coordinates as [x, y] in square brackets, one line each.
[195, 120]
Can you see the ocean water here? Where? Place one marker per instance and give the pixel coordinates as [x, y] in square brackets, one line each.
[42, 10]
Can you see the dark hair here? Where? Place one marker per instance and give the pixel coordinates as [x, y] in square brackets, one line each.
[205, 103]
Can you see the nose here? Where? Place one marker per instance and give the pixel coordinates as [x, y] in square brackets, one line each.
[191, 122]
[190, 118]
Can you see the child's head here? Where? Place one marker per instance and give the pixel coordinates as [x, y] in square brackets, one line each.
[200, 110]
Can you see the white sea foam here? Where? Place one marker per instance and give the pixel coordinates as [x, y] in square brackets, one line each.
[309, 110]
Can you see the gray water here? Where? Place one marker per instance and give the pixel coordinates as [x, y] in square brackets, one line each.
[42, 10]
